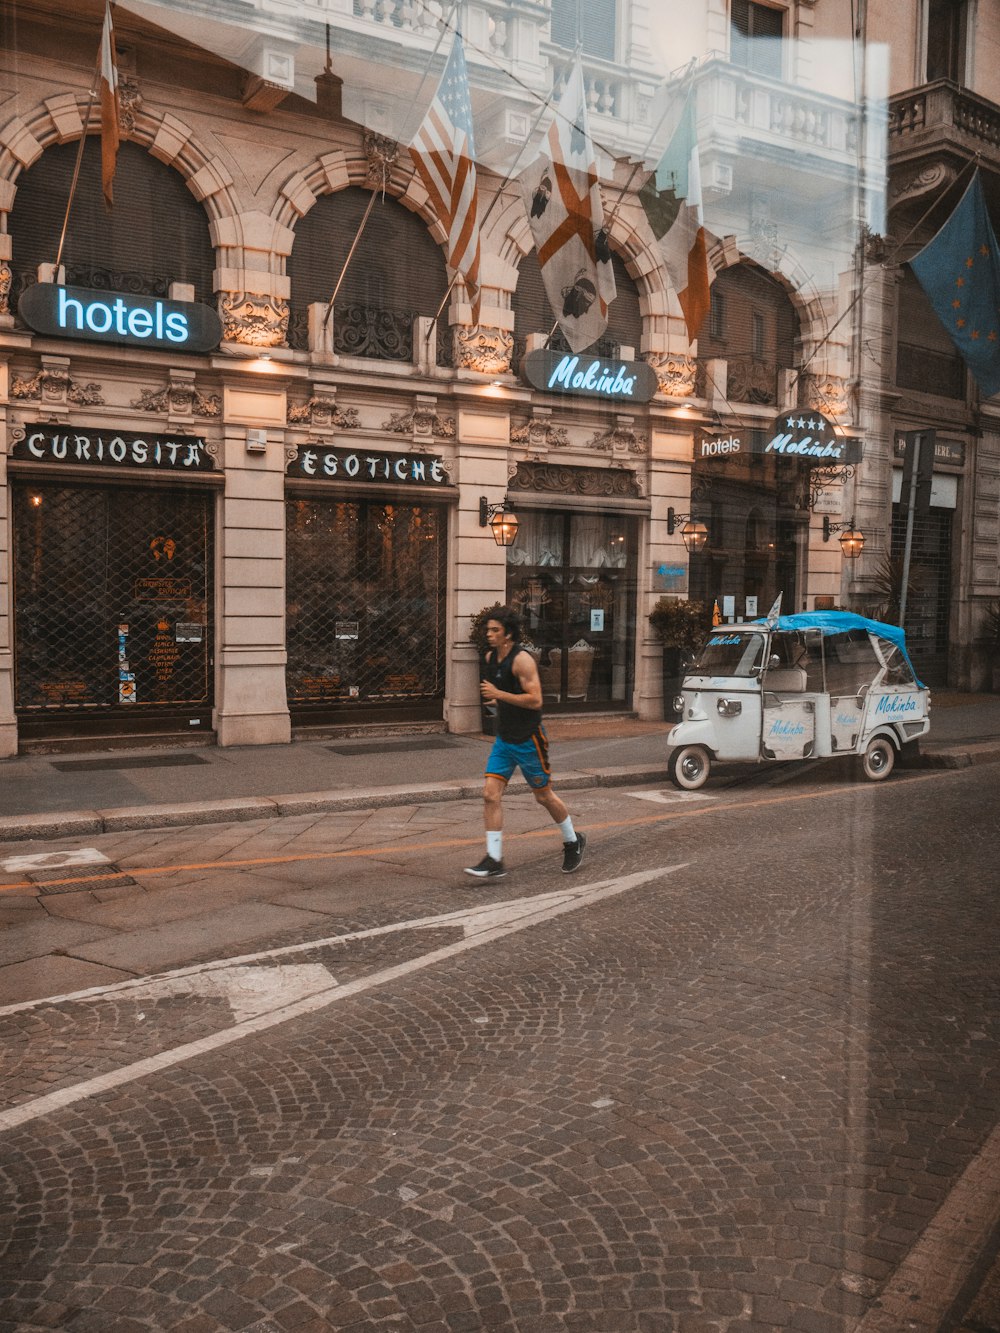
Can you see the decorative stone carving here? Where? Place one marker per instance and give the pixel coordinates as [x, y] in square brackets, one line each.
[55, 388]
[179, 399]
[675, 375]
[828, 394]
[422, 423]
[382, 154]
[540, 435]
[6, 278]
[322, 410]
[487, 350]
[620, 440]
[929, 179]
[558, 480]
[130, 103]
[255, 321]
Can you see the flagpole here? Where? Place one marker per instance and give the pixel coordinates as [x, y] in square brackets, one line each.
[445, 27]
[689, 75]
[492, 204]
[78, 163]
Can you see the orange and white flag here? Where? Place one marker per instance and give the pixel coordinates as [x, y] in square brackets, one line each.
[566, 216]
[110, 106]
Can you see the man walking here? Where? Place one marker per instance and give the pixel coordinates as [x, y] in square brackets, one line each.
[511, 681]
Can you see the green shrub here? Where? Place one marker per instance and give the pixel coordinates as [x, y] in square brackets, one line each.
[681, 623]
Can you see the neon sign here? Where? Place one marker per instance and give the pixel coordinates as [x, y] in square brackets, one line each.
[119, 317]
[610, 379]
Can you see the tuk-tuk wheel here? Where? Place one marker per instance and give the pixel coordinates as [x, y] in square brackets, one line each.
[879, 759]
[689, 767]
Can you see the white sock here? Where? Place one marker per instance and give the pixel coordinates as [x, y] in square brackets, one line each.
[494, 846]
[567, 830]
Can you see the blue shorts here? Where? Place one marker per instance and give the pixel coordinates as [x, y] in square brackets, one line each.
[530, 756]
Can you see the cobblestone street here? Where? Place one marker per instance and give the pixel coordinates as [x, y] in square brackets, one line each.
[730, 1078]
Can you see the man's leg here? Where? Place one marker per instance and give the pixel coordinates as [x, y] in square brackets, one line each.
[491, 866]
[573, 842]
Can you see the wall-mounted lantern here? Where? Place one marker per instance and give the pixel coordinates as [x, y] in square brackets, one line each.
[694, 535]
[502, 521]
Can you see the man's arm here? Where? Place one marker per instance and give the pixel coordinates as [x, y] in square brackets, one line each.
[526, 670]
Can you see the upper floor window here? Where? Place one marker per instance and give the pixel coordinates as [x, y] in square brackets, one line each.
[116, 250]
[717, 314]
[533, 314]
[755, 33]
[758, 338]
[396, 273]
[592, 23]
[947, 38]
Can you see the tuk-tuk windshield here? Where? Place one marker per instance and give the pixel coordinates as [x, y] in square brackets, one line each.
[727, 654]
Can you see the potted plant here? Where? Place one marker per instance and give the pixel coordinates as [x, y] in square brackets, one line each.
[681, 626]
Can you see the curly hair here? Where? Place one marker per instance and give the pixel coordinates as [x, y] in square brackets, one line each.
[508, 619]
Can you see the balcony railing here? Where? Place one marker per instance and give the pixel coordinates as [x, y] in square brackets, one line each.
[943, 111]
[748, 380]
[372, 333]
[759, 106]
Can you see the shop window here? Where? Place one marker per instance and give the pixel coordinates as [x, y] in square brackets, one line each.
[114, 250]
[533, 314]
[947, 40]
[114, 602]
[755, 33]
[591, 23]
[926, 358]
[572, 578]
[396, 273]
[366, 608]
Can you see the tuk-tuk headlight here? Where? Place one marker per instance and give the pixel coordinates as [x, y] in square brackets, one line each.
[729, 707]
[678, 703]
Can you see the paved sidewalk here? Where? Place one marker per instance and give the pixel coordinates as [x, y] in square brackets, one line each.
[107, 790]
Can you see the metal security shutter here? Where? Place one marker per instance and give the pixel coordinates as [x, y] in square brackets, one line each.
[157, 232]
[398, 269]
[533, 314]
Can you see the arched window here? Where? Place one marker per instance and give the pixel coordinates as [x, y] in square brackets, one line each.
[753, 326]
[157, 233]
[533, 314]
[396, 273]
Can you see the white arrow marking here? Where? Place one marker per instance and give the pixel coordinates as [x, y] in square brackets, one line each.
[507, 919]
[82, 856]
[248, 991]
[671, 797]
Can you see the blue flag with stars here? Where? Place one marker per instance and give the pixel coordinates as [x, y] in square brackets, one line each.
[960, 272]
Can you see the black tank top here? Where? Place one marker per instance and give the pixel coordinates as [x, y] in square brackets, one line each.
[513, 724]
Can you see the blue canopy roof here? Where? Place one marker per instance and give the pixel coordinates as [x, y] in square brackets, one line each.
[838, 622]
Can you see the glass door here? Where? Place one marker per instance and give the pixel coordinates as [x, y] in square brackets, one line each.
[572, 577]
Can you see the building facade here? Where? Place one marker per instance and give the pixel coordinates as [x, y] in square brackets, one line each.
[251, 441]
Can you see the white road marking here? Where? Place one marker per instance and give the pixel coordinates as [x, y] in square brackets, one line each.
[672, 797]
[80, 856]
[248, 991]
[483, 925]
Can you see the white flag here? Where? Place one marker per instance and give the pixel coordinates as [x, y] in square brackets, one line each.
[566, 217]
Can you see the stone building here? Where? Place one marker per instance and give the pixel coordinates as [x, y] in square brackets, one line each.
[281, 520]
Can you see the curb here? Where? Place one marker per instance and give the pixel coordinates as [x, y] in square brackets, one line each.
[74, 823]
[15, 828]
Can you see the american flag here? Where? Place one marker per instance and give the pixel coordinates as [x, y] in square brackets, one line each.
[443, 152]
[110, 104]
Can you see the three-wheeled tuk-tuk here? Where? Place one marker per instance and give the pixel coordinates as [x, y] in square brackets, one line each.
[804, 686]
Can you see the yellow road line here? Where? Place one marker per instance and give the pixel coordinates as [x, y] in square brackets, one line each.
[685, 812]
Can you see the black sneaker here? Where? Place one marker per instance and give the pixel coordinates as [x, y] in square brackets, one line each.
[487, 869]
[573, 853]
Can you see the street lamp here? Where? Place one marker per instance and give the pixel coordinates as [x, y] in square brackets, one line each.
[693, 535]
[500, 520]
[852, 539]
